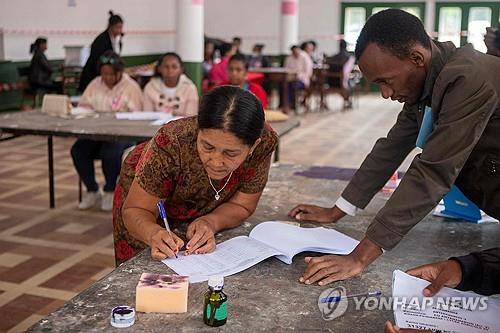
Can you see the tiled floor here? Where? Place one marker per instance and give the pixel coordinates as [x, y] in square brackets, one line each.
[48, 256]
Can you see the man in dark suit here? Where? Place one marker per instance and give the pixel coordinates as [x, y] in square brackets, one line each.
[451, 110]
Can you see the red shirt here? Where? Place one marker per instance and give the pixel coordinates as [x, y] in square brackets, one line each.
[255, 89]
[218, 73]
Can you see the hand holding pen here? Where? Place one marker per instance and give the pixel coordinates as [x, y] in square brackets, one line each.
[165, 243]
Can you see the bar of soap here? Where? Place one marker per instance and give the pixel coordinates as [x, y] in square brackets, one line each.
[162, 293]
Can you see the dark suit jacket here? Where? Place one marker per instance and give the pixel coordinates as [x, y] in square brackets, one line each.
[463, 89]
[100, 45]
[481, 272]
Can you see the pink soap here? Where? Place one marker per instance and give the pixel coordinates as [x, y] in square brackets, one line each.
[162, 293]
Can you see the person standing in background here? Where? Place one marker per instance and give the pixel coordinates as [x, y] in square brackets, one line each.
[110, 39]
[40, 74]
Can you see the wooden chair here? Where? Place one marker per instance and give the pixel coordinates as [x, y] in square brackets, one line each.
[315, 88]
[346, 93]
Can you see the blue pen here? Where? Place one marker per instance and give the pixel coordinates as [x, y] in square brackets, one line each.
[163, 215]
[339, 298]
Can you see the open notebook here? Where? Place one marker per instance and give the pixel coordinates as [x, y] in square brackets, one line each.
[266, 240]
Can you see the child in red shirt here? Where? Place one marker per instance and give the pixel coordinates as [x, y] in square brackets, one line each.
[237, 74]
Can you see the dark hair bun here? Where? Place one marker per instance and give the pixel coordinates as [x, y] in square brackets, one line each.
[235, 110]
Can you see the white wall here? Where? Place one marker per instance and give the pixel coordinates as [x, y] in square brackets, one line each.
[320, 20]
[258, 21]
[149, 24]
[254, 21]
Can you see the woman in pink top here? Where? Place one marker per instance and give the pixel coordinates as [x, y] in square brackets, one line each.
[112, 91]
[170, 90]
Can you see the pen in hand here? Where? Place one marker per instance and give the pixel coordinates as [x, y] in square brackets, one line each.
[163, 215]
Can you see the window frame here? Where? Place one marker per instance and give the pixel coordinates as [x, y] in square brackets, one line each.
[369, 6]
[465, 7]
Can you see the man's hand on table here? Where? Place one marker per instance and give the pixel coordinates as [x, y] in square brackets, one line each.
[316, 213]
[331, 268]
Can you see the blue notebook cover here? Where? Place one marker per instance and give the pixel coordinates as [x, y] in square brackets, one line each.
[457, 205]
[425, 129]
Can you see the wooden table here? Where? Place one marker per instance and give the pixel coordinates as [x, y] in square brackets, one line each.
[268, 297]
[102, 127]
[280, 75]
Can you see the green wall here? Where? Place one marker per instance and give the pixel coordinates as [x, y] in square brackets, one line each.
[12, 100]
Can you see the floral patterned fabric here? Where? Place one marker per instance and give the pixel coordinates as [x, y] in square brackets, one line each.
[168, 167]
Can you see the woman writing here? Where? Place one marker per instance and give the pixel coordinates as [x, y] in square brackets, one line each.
[210, 171]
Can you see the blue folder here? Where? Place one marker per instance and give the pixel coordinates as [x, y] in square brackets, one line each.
[456, 205]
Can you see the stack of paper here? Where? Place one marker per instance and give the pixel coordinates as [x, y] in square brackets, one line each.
[450, 310]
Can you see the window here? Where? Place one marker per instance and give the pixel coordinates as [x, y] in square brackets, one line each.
[378, 9]
[467, 20]
[479, 20]
[355, 18]
[355, 15]
[450, 20]
[413, 10]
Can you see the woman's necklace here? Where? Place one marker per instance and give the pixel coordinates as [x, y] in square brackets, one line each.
[217, 196]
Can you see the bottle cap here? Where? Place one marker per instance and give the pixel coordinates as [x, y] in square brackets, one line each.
[216, 282]
[122, 316]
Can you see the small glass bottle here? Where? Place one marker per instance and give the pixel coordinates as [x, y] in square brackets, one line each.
[215, 306]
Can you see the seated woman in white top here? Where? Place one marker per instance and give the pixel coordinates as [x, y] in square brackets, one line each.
[170, 90]
[112, 91]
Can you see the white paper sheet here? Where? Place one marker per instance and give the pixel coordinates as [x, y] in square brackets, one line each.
[143, 115]
[163, 121]
[81, 111]
[290, 239]
[437, 315]
[230, 257]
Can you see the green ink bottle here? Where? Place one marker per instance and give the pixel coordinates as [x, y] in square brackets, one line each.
[215, 306]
